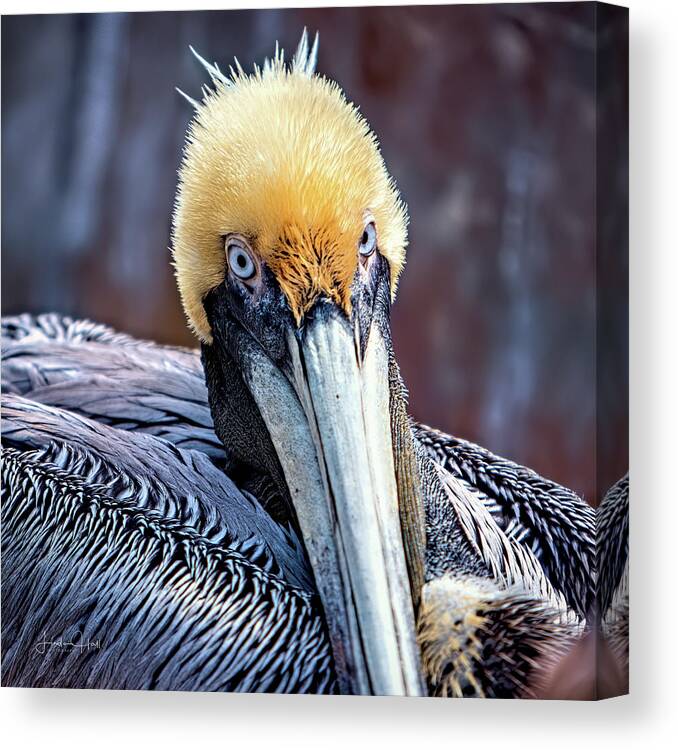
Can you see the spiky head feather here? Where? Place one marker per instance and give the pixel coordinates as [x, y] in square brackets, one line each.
[282, 158]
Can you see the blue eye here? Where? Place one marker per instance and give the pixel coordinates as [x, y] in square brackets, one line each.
[239, 260]
[368, 241]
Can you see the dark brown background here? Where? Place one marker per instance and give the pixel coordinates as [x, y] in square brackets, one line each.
[487, 119]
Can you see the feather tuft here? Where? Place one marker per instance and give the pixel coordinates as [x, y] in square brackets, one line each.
[215, 74]
[305, 60]
[195, 104]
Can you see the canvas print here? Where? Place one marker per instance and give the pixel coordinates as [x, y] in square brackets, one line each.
[314, 369]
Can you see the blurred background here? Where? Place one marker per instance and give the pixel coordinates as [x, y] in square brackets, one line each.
[487, 119]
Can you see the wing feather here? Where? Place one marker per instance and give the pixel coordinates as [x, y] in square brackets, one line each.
[548, 520]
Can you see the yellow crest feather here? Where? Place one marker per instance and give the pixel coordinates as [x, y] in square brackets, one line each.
[281, 157]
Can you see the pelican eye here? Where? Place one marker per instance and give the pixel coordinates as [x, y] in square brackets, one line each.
[239, 259]
[368, 241]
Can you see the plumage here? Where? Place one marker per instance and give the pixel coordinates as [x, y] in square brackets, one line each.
[89, 376]
[540, 515]
[480, 641]
[263, 514]
[114, 379]
[152, 594]
[182, 483]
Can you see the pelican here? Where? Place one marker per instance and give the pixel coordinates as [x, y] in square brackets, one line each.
[263, 515]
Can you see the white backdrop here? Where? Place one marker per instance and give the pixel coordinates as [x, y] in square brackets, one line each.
[73, 719]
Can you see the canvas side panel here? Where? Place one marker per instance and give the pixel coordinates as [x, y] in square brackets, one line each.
[612, 335]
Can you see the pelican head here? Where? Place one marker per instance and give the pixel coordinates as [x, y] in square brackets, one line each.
[289, 237]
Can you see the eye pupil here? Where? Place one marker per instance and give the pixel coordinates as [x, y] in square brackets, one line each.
[241, 261]
[364, 239]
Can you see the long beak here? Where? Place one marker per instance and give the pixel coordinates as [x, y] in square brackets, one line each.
[331, 430]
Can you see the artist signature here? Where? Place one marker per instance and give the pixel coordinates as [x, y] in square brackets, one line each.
[77, 644]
